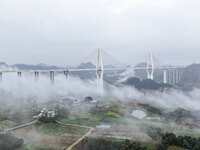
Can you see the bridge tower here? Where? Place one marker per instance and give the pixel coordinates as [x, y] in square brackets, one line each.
[150, 66]
[99, 71]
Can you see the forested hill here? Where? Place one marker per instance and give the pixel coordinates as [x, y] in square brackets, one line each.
[145, 84]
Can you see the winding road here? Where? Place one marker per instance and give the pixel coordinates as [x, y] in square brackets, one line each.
[81, 138]
[75, 125]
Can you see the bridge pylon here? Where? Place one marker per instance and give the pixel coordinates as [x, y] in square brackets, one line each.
[99, 71]
[150, 66]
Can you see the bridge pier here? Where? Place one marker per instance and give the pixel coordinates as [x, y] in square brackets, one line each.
[165, 80]
[52, 77]
[177, 76]
[66, 73]
[180, 74]
[19, 74]
[36, 76]
[1, 76]
[174, 76]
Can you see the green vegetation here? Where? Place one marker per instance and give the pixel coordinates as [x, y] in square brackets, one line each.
[150, 109]
[112, 114]
[47, 120]
[30, 146]
[19, 116]
[145, 84]
[7, 124]
[82, 121]
[58, 130]
[187, 142]
[103, 143]
[154, 132]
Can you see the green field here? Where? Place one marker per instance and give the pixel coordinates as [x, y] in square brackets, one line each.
[93, 118]
[7, 124]
[58, 130]
[105, 143]
[30, 146]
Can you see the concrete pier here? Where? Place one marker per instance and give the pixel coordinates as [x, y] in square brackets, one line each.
[165, 80]
[66, 73]
[1, 76]
[52, 77]
[19, 74]
[36, 76]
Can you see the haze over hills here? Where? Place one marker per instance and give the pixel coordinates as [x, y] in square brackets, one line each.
[40, 66]
[191, 76]
[86, 65]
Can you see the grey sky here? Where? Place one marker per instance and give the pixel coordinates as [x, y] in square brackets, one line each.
[62, 32]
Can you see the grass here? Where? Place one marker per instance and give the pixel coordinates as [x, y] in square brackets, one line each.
[149, 145]
[30, 146]
[113, 140]
[81, 121]
[3, 125]
[94, 119]
[151, 109]
[7, 124]
[112, 114]
[58, 130]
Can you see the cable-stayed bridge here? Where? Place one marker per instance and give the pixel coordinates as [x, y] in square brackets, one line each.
[105, 62]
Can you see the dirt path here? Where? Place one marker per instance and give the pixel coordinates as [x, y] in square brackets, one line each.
[20, 126]
[81, 138]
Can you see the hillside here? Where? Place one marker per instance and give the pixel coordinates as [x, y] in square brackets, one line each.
[191, 76]
[145, 84]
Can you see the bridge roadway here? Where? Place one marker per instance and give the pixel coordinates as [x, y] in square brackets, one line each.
[92, 69]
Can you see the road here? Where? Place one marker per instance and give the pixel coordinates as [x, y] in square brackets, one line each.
[18, 127]
[94, 69]
[81, 138]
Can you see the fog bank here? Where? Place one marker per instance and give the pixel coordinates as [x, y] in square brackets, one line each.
[15, 90]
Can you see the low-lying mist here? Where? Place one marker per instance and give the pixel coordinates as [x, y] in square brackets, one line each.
[14, 90]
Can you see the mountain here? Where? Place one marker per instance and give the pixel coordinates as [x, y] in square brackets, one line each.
[34, 67]
[145, 84]
[141, 74]
[191, 76]
[3, 64]
[142, 64]
[86, 65]
[40, 66]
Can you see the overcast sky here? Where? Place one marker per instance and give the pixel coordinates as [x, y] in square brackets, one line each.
[62, 32]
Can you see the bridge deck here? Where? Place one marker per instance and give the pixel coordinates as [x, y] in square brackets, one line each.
[92, 69]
